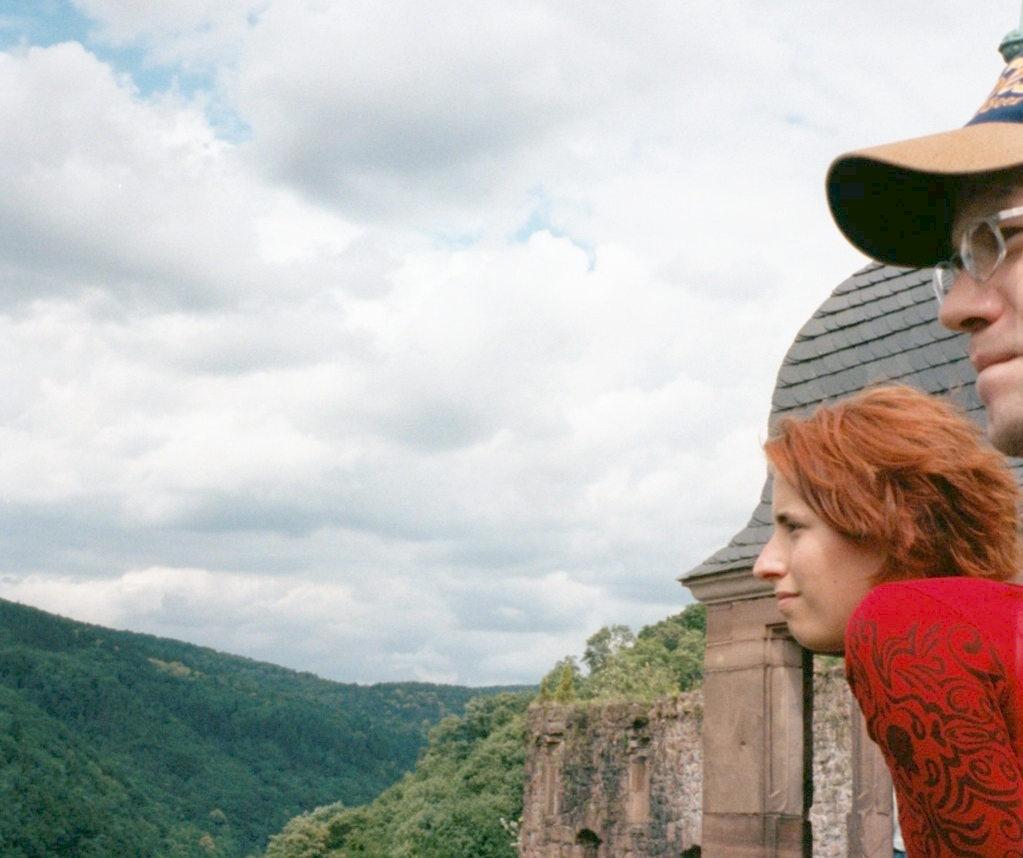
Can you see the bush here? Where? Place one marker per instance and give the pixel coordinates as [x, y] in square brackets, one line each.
[662, 659]
[467, 781]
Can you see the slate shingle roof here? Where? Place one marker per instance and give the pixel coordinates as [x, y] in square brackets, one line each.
[879, 325]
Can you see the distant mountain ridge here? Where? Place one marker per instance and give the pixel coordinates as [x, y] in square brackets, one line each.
[117, 743]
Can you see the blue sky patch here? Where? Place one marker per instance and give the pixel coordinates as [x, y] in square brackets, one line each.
[42, 23]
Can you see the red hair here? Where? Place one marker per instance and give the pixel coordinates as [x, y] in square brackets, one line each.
[909, 474]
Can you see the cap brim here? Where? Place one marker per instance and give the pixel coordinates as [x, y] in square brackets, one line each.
[896, 202]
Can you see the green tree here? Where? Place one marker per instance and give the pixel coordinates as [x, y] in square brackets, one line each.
[113, 743]
[694, 617]
[643, 671]
[467, 782]
[683, 635]
[305, 836]
[604, 644]
[565, 692]
[555, 675]
[664, 658]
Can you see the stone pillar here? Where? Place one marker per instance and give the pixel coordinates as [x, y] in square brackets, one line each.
[871, 822]
[756, 789]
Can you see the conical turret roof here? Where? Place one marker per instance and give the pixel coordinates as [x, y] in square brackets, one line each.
[879, 325]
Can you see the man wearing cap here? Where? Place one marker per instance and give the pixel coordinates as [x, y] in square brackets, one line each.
[954, 202]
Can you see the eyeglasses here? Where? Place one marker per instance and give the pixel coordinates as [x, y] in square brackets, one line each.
[981, 251]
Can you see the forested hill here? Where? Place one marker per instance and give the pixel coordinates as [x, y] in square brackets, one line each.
[114, 743]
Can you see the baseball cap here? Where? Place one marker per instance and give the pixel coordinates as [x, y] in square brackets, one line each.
[896, 202]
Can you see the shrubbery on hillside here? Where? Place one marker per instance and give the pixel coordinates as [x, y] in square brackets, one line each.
[662, 659]
[467, 786]
[467, 781]
[118, 744]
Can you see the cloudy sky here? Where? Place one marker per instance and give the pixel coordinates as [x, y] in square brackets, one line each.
[393, 339]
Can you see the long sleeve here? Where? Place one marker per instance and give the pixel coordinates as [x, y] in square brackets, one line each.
[934, 693]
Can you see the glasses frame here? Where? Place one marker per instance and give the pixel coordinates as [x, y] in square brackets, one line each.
[945, 273]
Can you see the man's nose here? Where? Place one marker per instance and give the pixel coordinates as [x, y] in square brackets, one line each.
[971, 306]
[770, 564]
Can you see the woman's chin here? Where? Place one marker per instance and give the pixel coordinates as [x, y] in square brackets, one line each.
[816, 643]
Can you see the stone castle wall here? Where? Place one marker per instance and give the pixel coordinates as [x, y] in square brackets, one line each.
[623, 780]
[617, 780]
[832, 769]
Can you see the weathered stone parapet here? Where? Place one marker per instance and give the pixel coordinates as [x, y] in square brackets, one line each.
[757, 787]
[613, 780]
[658, 765]
[871, 817]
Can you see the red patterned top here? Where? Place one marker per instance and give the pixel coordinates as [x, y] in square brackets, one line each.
[936, 666]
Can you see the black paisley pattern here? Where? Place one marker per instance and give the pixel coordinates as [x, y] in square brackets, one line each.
[934, 697]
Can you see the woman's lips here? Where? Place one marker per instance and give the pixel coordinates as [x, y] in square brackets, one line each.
[785, 598]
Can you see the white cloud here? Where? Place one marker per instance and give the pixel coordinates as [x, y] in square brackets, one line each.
[392, 628]
[465, 350]
[389, 106]
[101, 189]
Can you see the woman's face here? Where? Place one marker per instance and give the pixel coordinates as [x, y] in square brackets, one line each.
[819, 575]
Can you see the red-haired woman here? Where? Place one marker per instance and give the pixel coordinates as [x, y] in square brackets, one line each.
[896, 542]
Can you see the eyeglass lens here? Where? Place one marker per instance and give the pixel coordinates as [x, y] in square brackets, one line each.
[982, 250]
[944, 276]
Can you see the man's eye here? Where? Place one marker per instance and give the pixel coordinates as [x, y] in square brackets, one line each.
[1012, 235]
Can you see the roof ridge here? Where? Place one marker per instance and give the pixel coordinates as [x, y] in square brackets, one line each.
[885, 334]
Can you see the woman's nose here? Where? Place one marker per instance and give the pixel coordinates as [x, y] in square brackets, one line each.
[770, 564]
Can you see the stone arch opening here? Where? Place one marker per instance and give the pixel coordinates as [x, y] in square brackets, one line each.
[590, 842]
